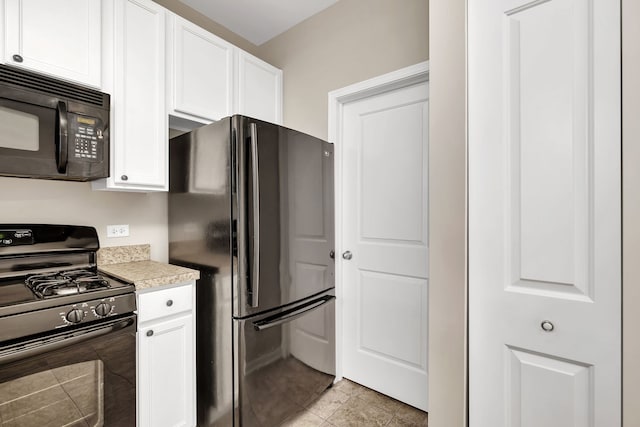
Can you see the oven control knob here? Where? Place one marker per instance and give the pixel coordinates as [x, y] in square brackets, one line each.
[103, 309]
[75, 316]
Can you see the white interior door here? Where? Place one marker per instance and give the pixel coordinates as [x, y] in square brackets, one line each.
[384, 223]
[544, 213]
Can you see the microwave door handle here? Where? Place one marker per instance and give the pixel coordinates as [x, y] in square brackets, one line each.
[62, 140]
[255, 267]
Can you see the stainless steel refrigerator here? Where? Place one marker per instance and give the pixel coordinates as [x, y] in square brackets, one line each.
[251, 207]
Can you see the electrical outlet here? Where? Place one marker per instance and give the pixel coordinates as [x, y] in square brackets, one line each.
[118, 230]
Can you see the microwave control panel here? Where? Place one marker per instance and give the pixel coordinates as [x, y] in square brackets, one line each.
[86, 139]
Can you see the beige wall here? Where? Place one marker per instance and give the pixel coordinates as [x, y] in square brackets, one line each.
[447, 217]
[631, 212]
[348, 42]
[60, 202]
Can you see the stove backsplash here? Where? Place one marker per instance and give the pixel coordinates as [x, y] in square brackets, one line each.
[63, 202]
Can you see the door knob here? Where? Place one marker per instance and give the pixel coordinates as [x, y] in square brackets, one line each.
[347, 255]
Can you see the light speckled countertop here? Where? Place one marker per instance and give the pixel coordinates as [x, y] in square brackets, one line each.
[132, 264]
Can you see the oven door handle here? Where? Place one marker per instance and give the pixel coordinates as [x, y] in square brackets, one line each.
[47, 344]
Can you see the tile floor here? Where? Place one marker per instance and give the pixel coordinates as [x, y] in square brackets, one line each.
[349, 404]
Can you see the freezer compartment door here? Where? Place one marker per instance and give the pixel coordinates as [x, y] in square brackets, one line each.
[285, 360]
[283, 205]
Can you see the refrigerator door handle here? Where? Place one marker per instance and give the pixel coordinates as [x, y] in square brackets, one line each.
[289, 315]
[255, 268]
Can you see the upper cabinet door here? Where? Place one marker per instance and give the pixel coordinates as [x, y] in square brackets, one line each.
[140, 118]
[259, 89]
[200, 72]
[60, 38]
[135, 75]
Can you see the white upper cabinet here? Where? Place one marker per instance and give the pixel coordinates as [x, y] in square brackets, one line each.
[199, 72]
[59, 38]
[208, 79]
[134, 74]
[258, 88]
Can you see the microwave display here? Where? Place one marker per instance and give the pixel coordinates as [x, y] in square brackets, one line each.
[87, 136]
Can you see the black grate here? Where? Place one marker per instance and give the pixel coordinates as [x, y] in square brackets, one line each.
[61, 283]
[50, 86]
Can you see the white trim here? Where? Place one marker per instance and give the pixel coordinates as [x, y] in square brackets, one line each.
[404, 77]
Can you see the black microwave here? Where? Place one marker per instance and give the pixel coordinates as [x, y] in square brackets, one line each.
[52, 129]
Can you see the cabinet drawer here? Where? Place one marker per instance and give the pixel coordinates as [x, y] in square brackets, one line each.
[164, 302]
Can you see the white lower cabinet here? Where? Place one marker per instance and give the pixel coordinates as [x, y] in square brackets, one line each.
[166, 357]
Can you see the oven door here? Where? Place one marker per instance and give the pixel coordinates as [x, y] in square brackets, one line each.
[82, 377]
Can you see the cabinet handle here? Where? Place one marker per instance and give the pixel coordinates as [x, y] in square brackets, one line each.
[124, 177]
[150, 332]
[17, 58]
[547, 326]
[169, 303]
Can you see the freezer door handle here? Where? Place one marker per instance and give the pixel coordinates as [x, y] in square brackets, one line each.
[292, 314]
[255, 268]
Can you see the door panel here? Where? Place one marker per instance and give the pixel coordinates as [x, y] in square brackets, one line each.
[385, 228]
[544, 213]
[383, 217]
[568, 388]
[401, 300]
[549, 163]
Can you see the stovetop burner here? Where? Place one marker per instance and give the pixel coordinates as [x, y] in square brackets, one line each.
[49, 280]
[49, 285]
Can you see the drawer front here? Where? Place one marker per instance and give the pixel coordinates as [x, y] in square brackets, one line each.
[164, 302]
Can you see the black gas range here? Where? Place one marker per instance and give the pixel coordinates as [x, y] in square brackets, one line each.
[49, 280]
[65, 330]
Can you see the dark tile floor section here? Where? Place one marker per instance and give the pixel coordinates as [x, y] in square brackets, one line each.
[349, 404]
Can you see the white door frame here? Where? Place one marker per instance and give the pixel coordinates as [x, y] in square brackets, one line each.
[408, 76]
